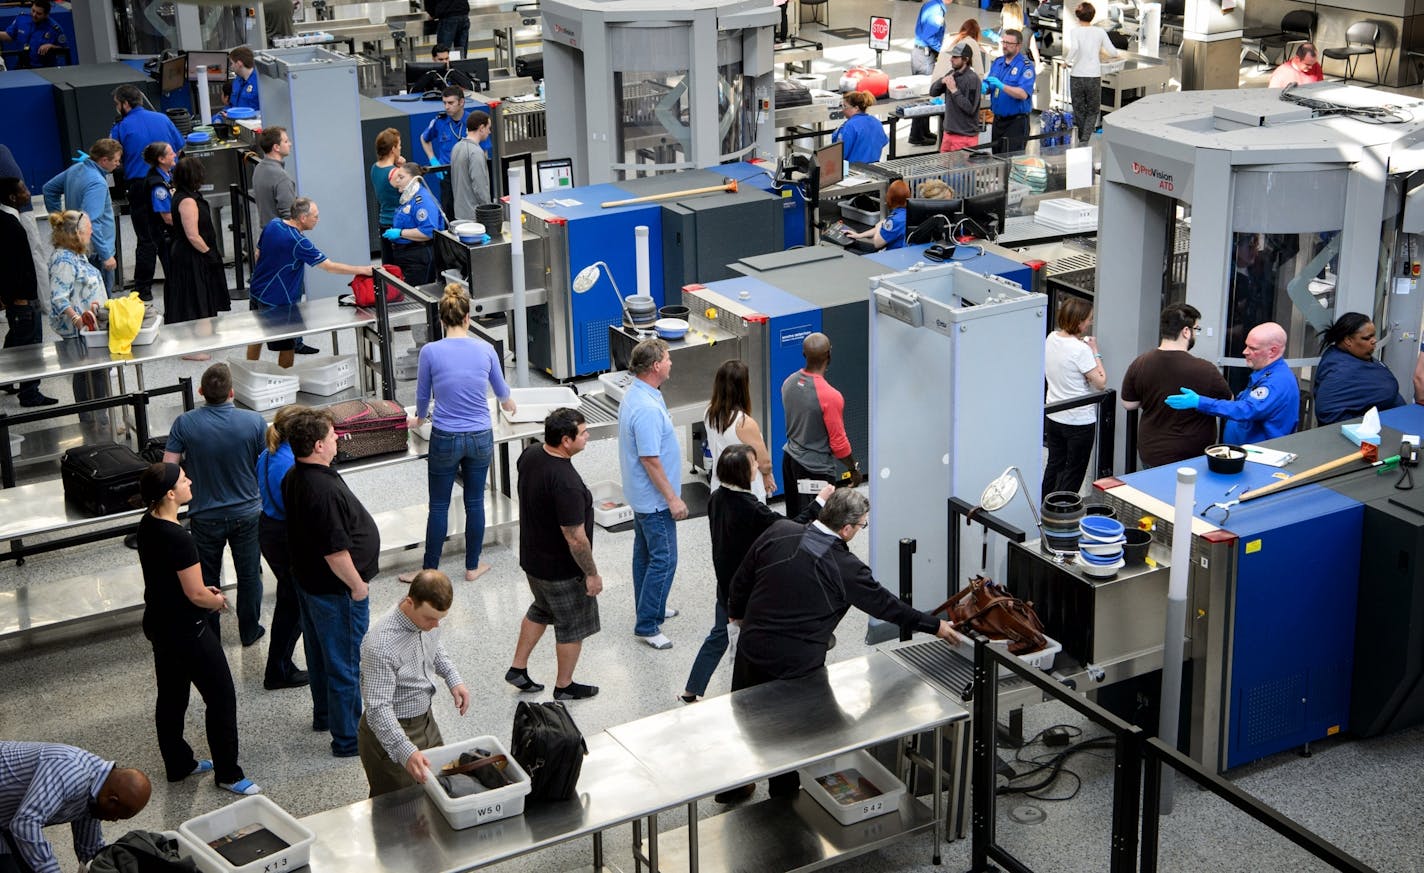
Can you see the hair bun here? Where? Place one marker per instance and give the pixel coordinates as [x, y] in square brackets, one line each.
[454, 291]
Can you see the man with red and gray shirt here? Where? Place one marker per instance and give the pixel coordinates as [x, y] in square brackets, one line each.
[815, 429]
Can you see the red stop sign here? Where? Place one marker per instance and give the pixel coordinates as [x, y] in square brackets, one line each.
[880, 28]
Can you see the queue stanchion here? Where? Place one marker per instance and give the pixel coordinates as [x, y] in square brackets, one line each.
[907, 578]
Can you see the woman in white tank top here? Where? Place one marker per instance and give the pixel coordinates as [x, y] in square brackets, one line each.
[729, 423]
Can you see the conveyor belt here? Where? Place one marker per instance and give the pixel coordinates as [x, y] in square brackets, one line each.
[941, 665]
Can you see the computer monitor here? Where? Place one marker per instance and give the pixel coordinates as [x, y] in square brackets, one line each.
[216, 63]
[556, 174]
[987, 211]
[478, 69]
[173, 74]
[416, 70]
[830, 161]
[927, 220]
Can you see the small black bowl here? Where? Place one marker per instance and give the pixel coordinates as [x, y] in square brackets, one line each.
[1134, 551]
[1225, 458]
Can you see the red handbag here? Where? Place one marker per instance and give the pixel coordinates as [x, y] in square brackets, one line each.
[363, 288]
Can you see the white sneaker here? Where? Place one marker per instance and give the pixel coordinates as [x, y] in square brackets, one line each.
[657, 641]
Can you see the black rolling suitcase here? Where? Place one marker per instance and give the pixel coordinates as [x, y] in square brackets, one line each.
[101, 480]
[550, 748]
[531, 65]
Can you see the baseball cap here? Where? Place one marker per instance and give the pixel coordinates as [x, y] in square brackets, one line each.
[963, 50]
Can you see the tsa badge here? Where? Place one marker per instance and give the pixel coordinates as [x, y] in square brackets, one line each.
[420, 215]
[1260, 392]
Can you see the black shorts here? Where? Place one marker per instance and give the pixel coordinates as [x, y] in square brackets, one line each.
[285, 345]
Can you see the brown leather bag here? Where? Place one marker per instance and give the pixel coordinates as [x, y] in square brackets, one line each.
[488, 769]
[989, 609]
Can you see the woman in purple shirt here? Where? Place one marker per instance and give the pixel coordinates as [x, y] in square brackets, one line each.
[459, 369]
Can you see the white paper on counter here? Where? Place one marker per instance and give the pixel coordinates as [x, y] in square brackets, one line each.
[1080, 167]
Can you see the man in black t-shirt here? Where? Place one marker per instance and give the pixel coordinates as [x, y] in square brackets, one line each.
[335, 550]
[556, 554]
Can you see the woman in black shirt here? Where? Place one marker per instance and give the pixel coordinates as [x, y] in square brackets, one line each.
[177, 619]
[737, 517]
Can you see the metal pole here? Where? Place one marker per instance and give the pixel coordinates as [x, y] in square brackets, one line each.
[907, 576]
[516, 264]
[1172, 644]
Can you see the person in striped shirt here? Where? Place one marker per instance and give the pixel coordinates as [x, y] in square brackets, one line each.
[44, 784]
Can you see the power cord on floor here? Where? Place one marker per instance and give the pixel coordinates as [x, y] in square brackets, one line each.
[1054, 763]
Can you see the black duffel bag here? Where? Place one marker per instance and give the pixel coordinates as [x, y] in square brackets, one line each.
[550, 748]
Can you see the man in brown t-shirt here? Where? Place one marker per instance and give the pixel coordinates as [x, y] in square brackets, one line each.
[1166, 435]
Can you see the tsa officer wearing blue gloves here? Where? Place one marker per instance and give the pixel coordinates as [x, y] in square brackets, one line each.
[1270, 405]
[138, 128]
[244, 80]
[1010, 84]
[37, 32]
[863, 135]
[414, 224]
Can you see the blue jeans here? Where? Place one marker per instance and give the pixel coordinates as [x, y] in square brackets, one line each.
[240, 533]
[654, 563]
[454, 31]
[337, 624]
[713, 648]
[468, 454]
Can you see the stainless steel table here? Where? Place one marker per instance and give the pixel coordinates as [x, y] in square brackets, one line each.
[403, 831]
[637, 770]
[727, 741]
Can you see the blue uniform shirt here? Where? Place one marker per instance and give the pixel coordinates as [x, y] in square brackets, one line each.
[443, 132]
[279, 274]
[1019, 74]
[421, 212]
[160, 198]
[892, 229]
[136, 130]
[1268, 408]
[929, 25]
[23, 31]
[244, 93]
[864, 138]
[645, 430]
[270, 470]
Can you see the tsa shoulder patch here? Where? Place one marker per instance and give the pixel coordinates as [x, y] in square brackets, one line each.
[160, 193]
[420, 215]
[1260, 392]
[406, 209]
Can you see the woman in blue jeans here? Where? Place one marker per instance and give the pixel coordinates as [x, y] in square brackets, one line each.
[460, 370]
[737, 517]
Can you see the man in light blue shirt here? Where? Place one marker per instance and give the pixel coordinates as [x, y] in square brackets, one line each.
[84, 186]
[652, 485]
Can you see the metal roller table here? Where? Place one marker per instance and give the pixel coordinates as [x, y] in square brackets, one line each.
[637, 770]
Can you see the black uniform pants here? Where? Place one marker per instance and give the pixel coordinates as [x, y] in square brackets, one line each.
[746, 674]
[287, 616]
[414, 259]
[199, 662]
[146, 248]
[1009, 133]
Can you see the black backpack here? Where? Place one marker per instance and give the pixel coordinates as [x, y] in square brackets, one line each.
[550, 748]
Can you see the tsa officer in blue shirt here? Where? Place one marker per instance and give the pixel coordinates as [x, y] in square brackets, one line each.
[441, 134]
[1270, 405]
[890, 233]
[38, 33]
[863, 135]
[929, 37]
[414, 224]
[1010, 84]
[138, 128]
[244, 81]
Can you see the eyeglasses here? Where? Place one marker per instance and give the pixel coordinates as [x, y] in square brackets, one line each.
[1009, 43]
[862, 524]
[1196, 328]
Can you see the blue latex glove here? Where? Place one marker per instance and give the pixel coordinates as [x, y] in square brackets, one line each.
[391, 233]
[993, 82]
[983, 87]
[1188, 399]
[938, 101]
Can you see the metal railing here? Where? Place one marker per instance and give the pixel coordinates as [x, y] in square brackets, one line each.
[1137, 780]
[1106, 444]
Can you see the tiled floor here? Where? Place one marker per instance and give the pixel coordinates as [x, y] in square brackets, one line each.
[95, 689]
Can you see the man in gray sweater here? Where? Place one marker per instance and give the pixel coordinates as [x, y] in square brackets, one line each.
[960, 88]
[469, 167]
[272, 188]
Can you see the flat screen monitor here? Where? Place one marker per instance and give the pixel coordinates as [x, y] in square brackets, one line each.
[173, 74]
[216, 62]
[988, 211]
[478, 69]
[556, 174]
[416, 70]
[830, 161]
[929, 219]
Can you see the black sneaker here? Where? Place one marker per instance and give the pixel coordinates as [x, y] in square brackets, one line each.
[38, 400]
[304, 349]
[520, 679]
[575, 691]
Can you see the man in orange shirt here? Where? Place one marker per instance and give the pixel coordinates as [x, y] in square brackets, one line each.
[1302, 68]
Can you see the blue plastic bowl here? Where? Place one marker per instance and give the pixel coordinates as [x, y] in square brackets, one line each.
[241, 112]
[1100, 560]
[199, 137]
[1101, 526]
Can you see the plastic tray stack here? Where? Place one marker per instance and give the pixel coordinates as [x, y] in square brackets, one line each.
[260, 385]
[326, 375]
